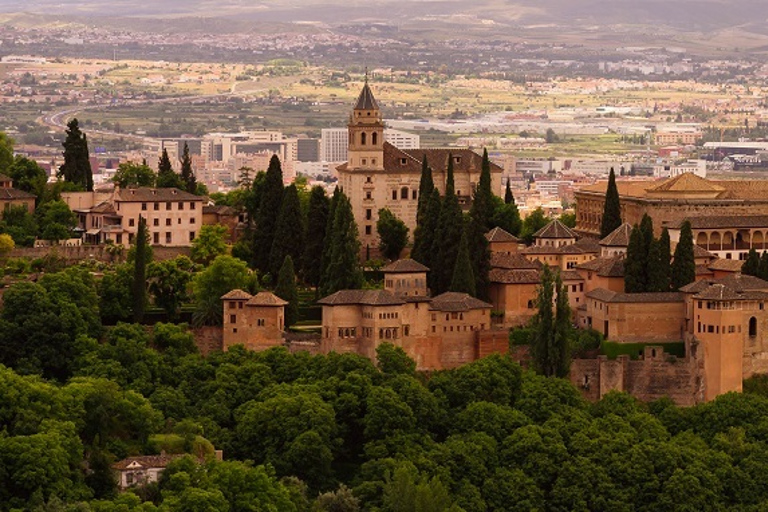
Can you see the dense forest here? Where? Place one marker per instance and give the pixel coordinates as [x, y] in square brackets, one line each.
[338, 432]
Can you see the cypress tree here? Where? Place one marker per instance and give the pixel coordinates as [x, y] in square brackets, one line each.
[482, 202]
[481, 215]
[166, 177]
[343, 271]
[612, 208]
[424, 235]
[77, 165]
[684, 265]
[751, 266]
[187, 174]
[317, 219]
[550, 331]
[139, 285]
[635, 264]
[655, 275]
[463, 280]
[289, 232]
[426, 186]
[665, 260]
[508, 197]
[266, 216]
[286, 289]
[646, 230]
[326, 257]
[448, 236]
[762, 267]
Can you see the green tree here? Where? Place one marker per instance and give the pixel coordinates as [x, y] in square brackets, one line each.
[116, 294]
[463, 280]
[684, 264]
[20, 224]
[393, 360]
[286, 289]
[140, 262]
[508, 197]
[289, 232]
[267, 215]
[762, 267]
[656, 276]
[129, 174]
[325, 260]
[166, 177]
[551, 137]
[532, 223]
[665, 260]
[168, 283]
[343, 271]
[568, 219]
[223, 275]
[6, 152]
[480, 221]
[56, 220]
[393, 234]
[209, 244]
[77, 165]
[551, 328]
[187, 174]
[448, 234]
[424, 234]
[751, 264]
[6, 245]
[340, 500]
[507, 217]
[636, 263]
[317, 220]
[426, 186]
[611, 208]
[406, 489]
[28, 176]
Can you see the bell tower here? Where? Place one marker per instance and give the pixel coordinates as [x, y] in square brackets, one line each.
[366, 133]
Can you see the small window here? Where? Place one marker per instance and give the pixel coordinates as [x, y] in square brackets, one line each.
[403, 161]
[232, 304]
[156, 206]
[368, 230]
[168, 237]
[368, 195]
[178, 221]
[232, 319]
[191, 236]
[404, 193]
[155, 238]
[156, 222]
[364, 161]
[168, 205]
[167, 222]
[131, 222]
[414, 194]
[192, 205]
[374, 137]
[192, 220]
[368, 214]
[394, 195]
[181, 205]
[144, 206]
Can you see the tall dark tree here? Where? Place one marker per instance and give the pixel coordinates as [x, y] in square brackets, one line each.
[187, 174]
[612, 207]
[463, 280]
[480, 221]
[393, 234]
[424, 235]
[289, 232]
[266, 217]
[326, 257]
[762, 267]
[551, 326]
[508, 197]
[635, 264]
[665, 260]
[426, 186]
[286, 289]
[317, 219]
[684, 264]
[656, 279]
[482, 203]
[448, 236]
[751, 265]
[77, 165]
[343, 271]
[140, 262]
[166, 177]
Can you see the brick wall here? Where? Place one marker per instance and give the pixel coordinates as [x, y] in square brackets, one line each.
[208, 339]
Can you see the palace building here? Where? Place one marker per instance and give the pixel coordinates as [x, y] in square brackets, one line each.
[378, 175]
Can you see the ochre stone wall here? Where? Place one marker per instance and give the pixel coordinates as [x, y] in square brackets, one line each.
[92, 252]
[208, 339]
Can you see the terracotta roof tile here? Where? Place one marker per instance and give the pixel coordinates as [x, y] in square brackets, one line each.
[266, 299]
[604, 295]
[513, 261]
[499, 235]
[737, 282]
[619, 237]
[514, 276]
[366, 297]
[405, 265]
[686, 182]
[452, 301]
[8, 194]
[236, 294]
[4, 178]
[726, 265]
[605, 267]
[146, 194]
[146, 461]
[570, 275]
[555, 229]
[700, 252]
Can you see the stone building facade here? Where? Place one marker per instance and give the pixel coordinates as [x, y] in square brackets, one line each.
[10, 196]
[254, 321]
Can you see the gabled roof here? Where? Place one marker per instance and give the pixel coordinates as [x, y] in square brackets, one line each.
[147, 194]
[686, 182]
[585, 245]
[514, 261]
[363, 297]
[366, 101]
[726, 265]
[7, 194]
[453, 301]
[236, 294]
[700, 252]
[619, 237]
[266, 299]
[404, 266]
[555, 229]
[499, 235]
[604, 295]
[605, 267]
[145, 461]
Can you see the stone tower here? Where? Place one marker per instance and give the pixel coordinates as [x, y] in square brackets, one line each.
[366, 133]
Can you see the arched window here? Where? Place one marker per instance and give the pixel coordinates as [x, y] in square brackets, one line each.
[374, 138]
[404, 193]
[363, 136]
[753, 327]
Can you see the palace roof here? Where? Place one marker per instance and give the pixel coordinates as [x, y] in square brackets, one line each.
[604, 295]
[606, 267]
[513, 261]
[499, 235]
[363, 297]
[619, 237]
[236, 294]
[146, 194]
[4, 178]
[514, 276]
[453, 301]
[555, 229]
[726, 265]
[405, 266]
[737, 282]
[724, 221]
[686, 184]
[266, 299]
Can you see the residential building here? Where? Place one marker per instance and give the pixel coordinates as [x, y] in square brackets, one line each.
[10, 196]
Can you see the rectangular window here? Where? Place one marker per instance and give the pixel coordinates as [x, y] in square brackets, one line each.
[367, 230]
[167, 222]
[232, 319]
[155, 238]
[394, 194]
[178, 221]
[156, 206]
[192, 206]
[144, 206]
[191, 236]
[168, 205]
[368, 214]
[368, 195]
[181, 205]
[192, 220]
[155, 222]
[131, 222]
[168, 237]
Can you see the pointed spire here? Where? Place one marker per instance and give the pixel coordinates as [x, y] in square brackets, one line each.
[366, 101]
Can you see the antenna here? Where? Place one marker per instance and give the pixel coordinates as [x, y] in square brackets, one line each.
[366, 74]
